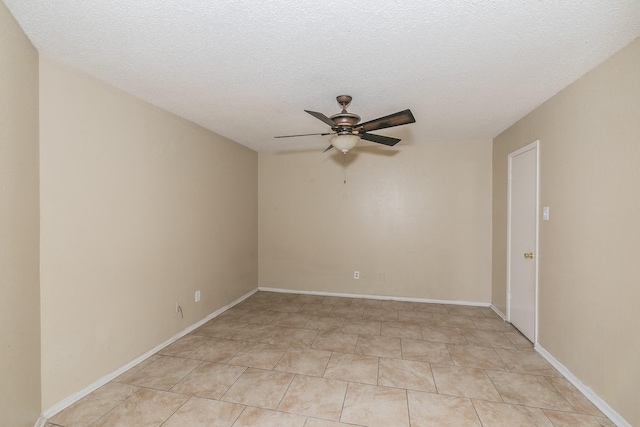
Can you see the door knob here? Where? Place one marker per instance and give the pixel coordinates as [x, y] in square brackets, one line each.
[529, 255]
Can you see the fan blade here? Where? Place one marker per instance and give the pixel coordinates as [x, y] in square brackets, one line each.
[322, 117]
[400, 118]
[304, 134]
[386, 140]
[328, 148]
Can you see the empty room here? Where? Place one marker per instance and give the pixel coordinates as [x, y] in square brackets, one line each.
[242, 213]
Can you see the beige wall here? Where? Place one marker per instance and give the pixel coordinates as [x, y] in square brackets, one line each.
[419, 215]
[139, 210]
[589, 271]
[19, 227]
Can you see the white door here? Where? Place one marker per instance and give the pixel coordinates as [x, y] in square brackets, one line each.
[523, 240]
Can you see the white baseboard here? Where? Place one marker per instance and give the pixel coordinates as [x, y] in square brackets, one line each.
[589, 394]
[381, 297]
[70, 400]
[498, 312]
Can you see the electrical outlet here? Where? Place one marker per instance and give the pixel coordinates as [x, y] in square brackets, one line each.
[356, 274]
[197, 296]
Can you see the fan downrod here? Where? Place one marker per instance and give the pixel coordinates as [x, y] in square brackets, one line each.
[344, 120]
[343, 102]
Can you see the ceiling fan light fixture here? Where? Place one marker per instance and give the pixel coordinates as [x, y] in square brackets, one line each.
[344, 142]
[347, 129]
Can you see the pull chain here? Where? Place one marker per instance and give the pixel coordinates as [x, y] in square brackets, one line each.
[344, 167]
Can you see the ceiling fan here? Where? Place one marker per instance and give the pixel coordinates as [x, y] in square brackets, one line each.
[346, 130]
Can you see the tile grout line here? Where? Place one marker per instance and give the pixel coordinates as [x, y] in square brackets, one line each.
[327, 365]
[240, 414]
[285, 393]
[406, 395]
[177, 409]
[234, 382]
[476, 411]
[344, 401]
[560, 394]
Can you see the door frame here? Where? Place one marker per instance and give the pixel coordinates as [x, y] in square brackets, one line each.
[532, 146]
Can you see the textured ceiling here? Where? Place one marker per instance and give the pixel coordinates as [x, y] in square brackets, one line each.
[246, 69]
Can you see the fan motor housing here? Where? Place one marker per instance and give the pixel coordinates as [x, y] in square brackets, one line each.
[345, 119]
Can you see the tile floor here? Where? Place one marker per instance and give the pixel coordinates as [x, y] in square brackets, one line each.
[311, 361]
